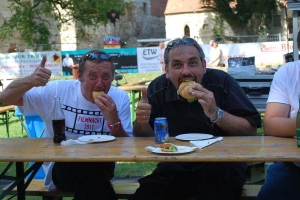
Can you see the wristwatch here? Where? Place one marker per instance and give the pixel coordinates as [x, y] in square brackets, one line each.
[220, 115]
[115, 126]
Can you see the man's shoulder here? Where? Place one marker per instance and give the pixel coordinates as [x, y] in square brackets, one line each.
[289, 67]
[158, 83]
[159, 80]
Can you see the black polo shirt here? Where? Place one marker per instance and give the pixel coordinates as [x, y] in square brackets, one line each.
[185, 117]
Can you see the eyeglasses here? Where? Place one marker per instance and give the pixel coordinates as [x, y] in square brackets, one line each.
[185, 40]
[97, 56]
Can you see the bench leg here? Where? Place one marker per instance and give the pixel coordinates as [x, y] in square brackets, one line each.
[7, 123]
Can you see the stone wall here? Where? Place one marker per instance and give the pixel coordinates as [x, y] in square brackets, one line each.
[145, 19]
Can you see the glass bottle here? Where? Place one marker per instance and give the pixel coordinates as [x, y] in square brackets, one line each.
[298, 125]
[58, 122]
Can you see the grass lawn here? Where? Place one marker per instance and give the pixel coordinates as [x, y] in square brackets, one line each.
[123, 169]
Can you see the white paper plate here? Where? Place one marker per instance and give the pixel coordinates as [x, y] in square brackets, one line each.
[181, 149]
[194, 136]
[96, 138]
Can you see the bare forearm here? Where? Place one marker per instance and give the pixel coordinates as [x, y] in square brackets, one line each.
[12, 95]
[144, 130]
[279, 126]
[236, 126]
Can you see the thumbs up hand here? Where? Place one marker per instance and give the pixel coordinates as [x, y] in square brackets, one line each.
[143, 109]
[41, 75]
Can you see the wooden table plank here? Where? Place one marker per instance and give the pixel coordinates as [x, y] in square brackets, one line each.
[5, 110]
[231, 149]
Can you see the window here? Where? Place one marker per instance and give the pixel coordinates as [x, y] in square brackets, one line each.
[277, 20]
[187, 31]
[145, 8]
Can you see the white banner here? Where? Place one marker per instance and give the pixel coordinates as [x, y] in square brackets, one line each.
[148, 59]
[266, 53]
[20, 64]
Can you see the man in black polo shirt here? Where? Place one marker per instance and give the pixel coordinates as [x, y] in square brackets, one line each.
[221, 108]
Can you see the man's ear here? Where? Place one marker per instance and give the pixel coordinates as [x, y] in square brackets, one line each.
[80, 78]
[204, 65]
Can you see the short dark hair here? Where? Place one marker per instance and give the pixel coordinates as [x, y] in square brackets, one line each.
[183, 41]
[95, 56]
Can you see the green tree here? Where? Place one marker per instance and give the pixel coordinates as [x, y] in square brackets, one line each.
[33, 19]
[244, 16]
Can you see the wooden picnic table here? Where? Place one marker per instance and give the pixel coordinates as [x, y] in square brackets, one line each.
[5, 110]
[132, 149]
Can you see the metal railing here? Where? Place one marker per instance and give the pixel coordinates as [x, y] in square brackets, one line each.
[242, 38]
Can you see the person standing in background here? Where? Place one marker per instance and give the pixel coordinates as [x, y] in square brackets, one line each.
[161, 56]
[215, 55]
[67, 65]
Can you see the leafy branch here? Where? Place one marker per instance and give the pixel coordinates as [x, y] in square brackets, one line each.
[244, 16]
[35, 20]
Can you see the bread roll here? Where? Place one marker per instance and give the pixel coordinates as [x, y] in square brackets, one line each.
[96, 94]
[184, 88]
[168, 147]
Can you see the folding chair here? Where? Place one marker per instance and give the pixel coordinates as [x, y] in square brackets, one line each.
[35, 128]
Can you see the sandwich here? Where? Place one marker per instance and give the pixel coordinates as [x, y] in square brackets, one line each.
[96, 94]
[168, 147]
[184, 88]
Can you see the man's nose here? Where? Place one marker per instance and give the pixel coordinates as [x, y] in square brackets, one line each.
[186, 69]
[99, 83]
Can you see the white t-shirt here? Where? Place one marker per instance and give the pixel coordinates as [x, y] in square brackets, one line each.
[82, 116]
[215, 57]
[67, 62]
[285, 88]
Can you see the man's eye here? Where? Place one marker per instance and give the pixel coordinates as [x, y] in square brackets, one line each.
[193, 63]
[93, 76]
[177, 65]
[105, 77]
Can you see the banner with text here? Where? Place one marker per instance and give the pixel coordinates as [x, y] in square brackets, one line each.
[20, 64]
[148, 59]
[265, 53]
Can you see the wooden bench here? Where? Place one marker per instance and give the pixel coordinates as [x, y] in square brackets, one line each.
[123, 188]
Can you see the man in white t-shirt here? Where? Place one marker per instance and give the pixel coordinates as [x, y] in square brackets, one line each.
[215, 55]
[283, 178]
[108, 114]
[67, 65]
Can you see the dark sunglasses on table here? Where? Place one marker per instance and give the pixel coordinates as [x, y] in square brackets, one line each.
[97, 56]
[185, 40]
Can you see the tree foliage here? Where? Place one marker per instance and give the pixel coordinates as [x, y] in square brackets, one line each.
[244, 16]
[33, 19]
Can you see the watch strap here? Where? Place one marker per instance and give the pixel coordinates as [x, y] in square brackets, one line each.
[218, 116]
